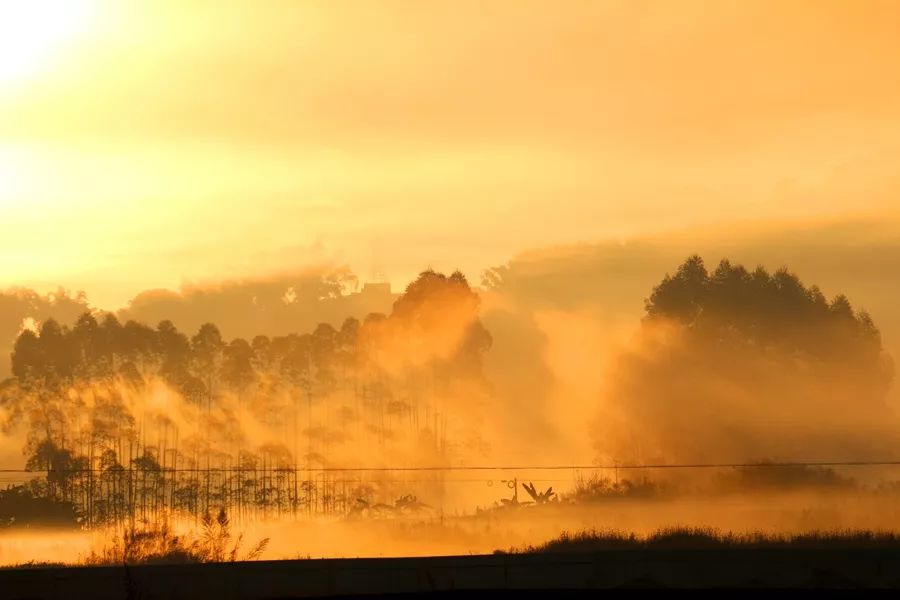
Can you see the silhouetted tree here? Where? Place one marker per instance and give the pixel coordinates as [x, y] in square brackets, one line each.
[206, 355]
[106, 434]
[736, 307]
[27, 357]
[749, 365]
[237, 368]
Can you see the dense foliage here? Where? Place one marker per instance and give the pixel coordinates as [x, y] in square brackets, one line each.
[735, 365]
[123, 415]
[735, 306]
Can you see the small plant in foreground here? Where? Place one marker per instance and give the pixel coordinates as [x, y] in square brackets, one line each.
[156, 543]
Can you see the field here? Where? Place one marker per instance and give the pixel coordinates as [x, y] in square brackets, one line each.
[674, 558]
[786, 539]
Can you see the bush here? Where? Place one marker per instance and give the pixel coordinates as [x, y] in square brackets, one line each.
[596, 488]
[20, 507]
[772, 476]
[155, 543]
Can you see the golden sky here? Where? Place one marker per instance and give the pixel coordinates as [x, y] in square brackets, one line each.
[143, 144]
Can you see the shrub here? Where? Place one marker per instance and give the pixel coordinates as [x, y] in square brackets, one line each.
[155, 543]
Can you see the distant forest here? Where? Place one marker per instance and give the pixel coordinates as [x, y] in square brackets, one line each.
[124, 419]
[751, 365]
[241, 308]
[84, 394]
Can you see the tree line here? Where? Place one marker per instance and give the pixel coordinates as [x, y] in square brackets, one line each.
[740, 364]
[83, 394]
[125, 419]
[734, 307]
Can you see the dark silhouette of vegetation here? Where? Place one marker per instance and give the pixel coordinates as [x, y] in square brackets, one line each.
[21, 308]
[267, 305]
[537, 496]
[21, 507]
[155, 543]
[749, 365]
[748, 348]
[82, 393]
[783, 477]
[406, 505]
[263, 306]
[683, 538]
[737, 308]
[596, 488]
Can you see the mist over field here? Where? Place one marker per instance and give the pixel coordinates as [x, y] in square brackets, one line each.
[380, 278]
[614, 354]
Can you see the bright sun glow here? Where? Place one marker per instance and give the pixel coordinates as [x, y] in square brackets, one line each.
[33, 33]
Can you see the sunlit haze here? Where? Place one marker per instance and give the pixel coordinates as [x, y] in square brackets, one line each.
[393, 278]
[182, 141]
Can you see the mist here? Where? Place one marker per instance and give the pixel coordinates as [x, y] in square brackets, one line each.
[580, 359]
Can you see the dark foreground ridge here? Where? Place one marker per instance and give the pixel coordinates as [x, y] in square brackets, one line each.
[448, 576]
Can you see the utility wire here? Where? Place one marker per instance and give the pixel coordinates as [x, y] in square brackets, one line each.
[876, 463]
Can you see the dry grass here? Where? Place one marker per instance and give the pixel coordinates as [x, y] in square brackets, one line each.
[699, 537]
[156, 543]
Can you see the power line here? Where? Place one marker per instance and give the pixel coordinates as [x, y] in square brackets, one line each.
[626, 466]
